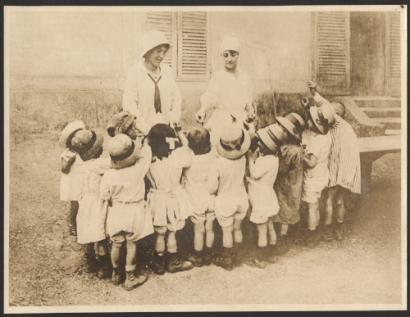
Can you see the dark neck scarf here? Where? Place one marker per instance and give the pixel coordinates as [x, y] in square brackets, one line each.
[157, 97]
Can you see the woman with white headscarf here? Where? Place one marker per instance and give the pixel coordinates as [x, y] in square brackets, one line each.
[150, 91]
[230, 91]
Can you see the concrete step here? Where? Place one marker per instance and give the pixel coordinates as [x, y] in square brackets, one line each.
[380, 112]
[392, 132]
[390, 123]
[377, 101]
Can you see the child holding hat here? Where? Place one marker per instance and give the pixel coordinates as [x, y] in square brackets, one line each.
[288, 185]
[344, 167]
[122, 190]
[91, 216]
[230, 91]
[150, 91]
[71, 161]
[316, 142]
[263, 168]
[226, 181]
[167, 200]
[196, 181]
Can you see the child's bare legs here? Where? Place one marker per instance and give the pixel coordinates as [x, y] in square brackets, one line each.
[237, 231]
[159, 258]
[172, 242]
[340, 213]
[199, 230]
[115, 257]
[73, 217]
[227, 238]
[175, 264]
[131, 255]
[328, 232]
[271, 232]
[262, 234]
[313, 223]
[209, 232]
[284, 229]
[160, 243]
[104, 270]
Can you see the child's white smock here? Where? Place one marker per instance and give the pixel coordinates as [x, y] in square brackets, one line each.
[70, 184]
[124, 189]
[317, 177]
[261, 193]
[91, 216]
[167, 200]
[196, 184]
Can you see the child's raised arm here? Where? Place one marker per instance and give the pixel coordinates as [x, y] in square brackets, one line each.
[67, 160]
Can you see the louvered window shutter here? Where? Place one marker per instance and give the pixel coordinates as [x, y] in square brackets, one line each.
[332, 54]
[165, 22]
[393, 53]
[192, 45]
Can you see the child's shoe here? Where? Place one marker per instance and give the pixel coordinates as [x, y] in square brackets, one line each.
[225, 260]
[197, 258]
[327, 233]
[339, 231]
[312, 238]
[271, 254]
[91, 265]
[258, 258]
[208, 256]
[116, 276]
[175, 264]
[282, 246]
[239, 254]
[158, 265]
[132, 280]
[104, 269]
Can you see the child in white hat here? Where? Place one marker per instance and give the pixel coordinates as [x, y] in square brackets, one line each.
[70, 168]
[316, 142]
[230, 91]
[91, 216]
[263, 169]
[122, 190]
[150, 91]
[167, 200]
[226, 181]
[344, 167]
[196, 185]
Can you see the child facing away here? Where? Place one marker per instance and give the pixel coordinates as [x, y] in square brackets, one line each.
[263, 168]
[196, 181]
[91, 216]
[167, 200]
[122, 190]
[288, 185]
[316, 142]
[71, 162]
[344, 167]
[227, 181]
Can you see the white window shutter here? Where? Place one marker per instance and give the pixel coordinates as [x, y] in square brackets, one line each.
[165, 22]
[332, 52]
[192, 45]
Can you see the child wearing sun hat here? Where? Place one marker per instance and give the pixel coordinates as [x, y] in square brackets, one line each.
[167, 200]
[344, 167]
[226, 181]
[288, 185]
[316, 142]
[70, 168]
[196, 180]
[91, 216]
[263, 168]
[122, 190]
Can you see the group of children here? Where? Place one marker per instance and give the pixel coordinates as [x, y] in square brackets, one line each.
[155, 183]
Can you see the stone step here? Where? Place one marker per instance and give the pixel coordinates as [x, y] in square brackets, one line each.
[390, 123]
[392, 132]
[380, 112]
[377, 101]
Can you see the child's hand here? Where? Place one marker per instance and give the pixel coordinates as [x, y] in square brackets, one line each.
[200, 116]
[312, 87]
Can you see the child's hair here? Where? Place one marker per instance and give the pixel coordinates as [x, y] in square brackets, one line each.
[162, 139]
[199, 141]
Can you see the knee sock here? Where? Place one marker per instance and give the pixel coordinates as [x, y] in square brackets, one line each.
[172, 242]
[227, 239]
[209, 232]
[199, 231]
[262, 235]
[115, 254]
[271, 233]
[238, 237]
[131, 255]
[160, 244]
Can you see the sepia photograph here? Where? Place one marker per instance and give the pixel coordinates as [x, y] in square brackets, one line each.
[214, 158]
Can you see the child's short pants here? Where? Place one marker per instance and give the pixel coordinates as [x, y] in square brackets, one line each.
[122, 236]
[311, 196]
[230, 207]
[202, 217]
[178, 225]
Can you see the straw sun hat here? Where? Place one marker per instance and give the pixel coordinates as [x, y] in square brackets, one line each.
[323, 117]
[123, 151]
[294, 124]
[68, 132]
[272, 136]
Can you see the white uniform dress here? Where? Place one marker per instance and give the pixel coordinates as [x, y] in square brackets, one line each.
[125, 189]
[91, 216]
[167, 200]
[70, 184]
[138, 96]
[317, 178]
[261, 193]
[227, 181]
[228, 92]
[196, 186]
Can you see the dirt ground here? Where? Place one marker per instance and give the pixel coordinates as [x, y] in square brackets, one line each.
[43, 260]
